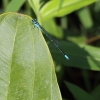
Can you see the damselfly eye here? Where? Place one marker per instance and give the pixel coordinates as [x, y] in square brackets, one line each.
[34, 21]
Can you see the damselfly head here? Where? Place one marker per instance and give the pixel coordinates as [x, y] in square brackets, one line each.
[34, 21]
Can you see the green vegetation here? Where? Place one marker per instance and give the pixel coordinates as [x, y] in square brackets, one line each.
[27, 71]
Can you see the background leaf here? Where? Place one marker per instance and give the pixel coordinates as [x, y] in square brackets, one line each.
[26, 66]
[84, 57]
[50, 9]
[96, 93]
[56, 31]
[85, 20]
[78, 93]
[35, 4]
[14, 5]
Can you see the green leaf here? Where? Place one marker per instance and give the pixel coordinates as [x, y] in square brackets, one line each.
[14, 5]
[87, 19]
[51, 8]
[84, 57]
[51, 25]
[5, 3]
[78, 93]
[96, 93]
[26, 67]
[60, 4]
[35, 4]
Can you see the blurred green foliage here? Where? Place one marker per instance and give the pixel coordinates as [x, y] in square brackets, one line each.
[76, 23]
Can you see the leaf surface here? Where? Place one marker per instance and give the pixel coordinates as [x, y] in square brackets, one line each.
[26, 66]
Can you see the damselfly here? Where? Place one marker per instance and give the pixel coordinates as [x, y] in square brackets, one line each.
[46, 33]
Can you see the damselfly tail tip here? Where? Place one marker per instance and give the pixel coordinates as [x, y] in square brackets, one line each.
[66, 57]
